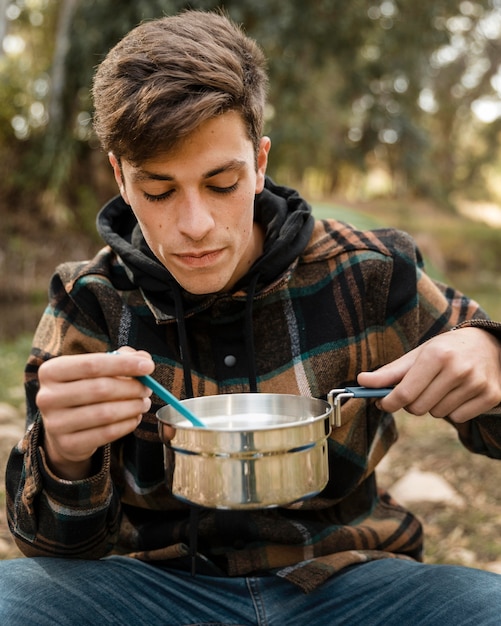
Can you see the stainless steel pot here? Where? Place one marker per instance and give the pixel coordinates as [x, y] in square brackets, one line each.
[258, 450]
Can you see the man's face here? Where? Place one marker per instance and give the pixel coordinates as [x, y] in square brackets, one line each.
[195, 205]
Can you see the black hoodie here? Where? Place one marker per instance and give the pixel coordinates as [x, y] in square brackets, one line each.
[285, 216]
[288, 224]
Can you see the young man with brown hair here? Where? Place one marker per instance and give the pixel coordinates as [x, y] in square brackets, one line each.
[206, 259]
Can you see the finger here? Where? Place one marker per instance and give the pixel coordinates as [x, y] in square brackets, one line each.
[467, 400]
[390, 374]
[416, 391]
[415, 397]
[457, 398]
[168, 432]
[438, 398]
[81, 445]
[469, 410]
[455, 404]
[85, 366]
[97, 416]
[89, 392]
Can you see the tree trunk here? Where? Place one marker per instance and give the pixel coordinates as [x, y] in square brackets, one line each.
[3, 23]
[58, 77]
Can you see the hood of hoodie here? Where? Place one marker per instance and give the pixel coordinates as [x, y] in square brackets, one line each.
[287, 221]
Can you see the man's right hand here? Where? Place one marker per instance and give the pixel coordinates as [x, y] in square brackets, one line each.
[87, 401]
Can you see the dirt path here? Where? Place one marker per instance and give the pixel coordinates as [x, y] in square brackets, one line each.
[11, 431]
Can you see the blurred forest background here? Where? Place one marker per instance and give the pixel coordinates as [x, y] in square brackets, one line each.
[389, 106]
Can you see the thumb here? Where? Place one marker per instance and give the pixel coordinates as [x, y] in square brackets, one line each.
[388, 375]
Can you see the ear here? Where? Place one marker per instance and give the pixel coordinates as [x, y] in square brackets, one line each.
[262, 162]
[117, 171]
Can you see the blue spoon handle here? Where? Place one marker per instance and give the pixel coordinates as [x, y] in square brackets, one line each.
[171, 399]
[165, 395]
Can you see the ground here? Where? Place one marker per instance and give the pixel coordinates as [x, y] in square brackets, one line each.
[461, 507]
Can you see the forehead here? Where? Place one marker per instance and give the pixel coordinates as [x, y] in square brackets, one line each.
[221, 144]
[155, 170]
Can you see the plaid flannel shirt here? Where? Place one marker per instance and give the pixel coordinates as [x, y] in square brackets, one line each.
[351, 302]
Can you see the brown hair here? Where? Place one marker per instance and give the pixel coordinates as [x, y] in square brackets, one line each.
[167, 76]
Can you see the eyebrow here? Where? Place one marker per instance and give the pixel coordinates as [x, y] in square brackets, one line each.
[141, 175]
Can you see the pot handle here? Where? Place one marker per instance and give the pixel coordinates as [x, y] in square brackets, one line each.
[335, 396]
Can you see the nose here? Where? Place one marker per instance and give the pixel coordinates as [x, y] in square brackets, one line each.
[195, 219]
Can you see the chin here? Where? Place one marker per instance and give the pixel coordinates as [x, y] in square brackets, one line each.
[204, 289]
[201, 283]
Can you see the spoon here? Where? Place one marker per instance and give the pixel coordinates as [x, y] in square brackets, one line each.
[171, 399]
[165, 395]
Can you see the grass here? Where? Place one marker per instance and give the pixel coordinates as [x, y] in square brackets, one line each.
[13, 358]
[464, 253]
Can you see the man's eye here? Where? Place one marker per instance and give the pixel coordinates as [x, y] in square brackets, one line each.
[223, 189]
[156, 198]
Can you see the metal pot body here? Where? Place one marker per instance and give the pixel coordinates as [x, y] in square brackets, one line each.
[257, 450]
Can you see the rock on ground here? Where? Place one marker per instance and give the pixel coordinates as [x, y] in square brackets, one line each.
[419, 486]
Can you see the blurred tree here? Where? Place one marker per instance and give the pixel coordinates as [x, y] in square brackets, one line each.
[395, 84]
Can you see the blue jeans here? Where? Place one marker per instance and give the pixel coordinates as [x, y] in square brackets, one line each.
[120, 590]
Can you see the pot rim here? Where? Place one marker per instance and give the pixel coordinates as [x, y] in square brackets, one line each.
[169, 416]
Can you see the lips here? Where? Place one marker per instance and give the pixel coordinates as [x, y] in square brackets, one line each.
[200, 259]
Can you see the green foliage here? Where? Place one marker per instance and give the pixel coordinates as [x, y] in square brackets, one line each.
[14, 354]
[354, 85]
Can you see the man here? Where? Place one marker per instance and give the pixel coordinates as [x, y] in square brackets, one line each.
[216, 280]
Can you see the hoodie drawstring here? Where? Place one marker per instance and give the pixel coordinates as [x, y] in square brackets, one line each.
[183, 343]
[188, 386]
[249, 334]
[248, 331]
